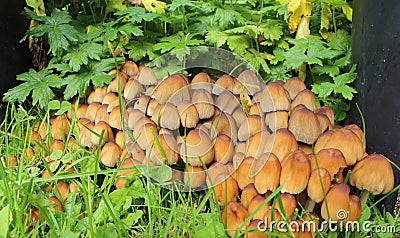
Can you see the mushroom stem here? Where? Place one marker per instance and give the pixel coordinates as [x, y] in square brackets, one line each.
[310, 204]
[364, 196]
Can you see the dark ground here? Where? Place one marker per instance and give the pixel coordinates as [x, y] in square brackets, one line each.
[15, 57]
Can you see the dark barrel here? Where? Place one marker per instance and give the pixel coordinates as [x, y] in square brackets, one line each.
[376, 51]
[15, 57]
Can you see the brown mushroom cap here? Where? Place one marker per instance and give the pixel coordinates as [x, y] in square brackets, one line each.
[293, 86]
[289, 204]
[169, 117]
[120, 180]
[272, 216]
[99, 94]
[256, 145]
[101, 127]
[354, 208]
[188, 114]
[277, 120]
[223, 123]
[120, 78]
[373, 173]
[194, 177]
[257, 203]
[143, 134]
[109, 98]
[225, 82]
[130, 68]
[242, 172]
[274, 98]
[168, 87]
[56, 145]
[336, 201]
[134, 116]
[110, 154]
[295, 172]
[344, 140]
[203, 102]
[248, 193]
[60, 128]
[328, 112]
[132, 89]
[253, 229]
[115, 118]
[147, 76]
[267, 179]
[91, 111]
[202, 81]
[226, 191]
[227, 102]
[307, 98]
[330, 159]
[250, 81]
[233, 217]
[239, 115]
[197, 149]
[281, 143]
[102, 114]
[168, 146]
[223, 149]
[324, 122]
[141, 103]
[304, 125]
[215, 170]
[318, 184]
[252, 125]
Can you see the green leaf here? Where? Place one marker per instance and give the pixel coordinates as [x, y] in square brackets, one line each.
[238, 43]
[227, 17]
[39, 83]
[175, 42]
[65, 106]
[54, 105]
[132, 218]
[177, 4]
[140, 49]
[217, 38]
[137, 14]
[56, 27]
[338, 86]
[115, 5]
[82, 54]
[5, 220]
[211, 226]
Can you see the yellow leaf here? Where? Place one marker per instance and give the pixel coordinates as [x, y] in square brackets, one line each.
[304, 28]
[348, 11]
[154, 6]
[326, 15]
[298, 8]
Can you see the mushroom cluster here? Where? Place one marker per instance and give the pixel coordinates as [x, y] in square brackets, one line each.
[241, 137]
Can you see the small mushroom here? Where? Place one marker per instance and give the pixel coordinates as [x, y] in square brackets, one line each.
[226, 191]
[253, 229]
[109, 98]
[293, 86]
[328, 112]
[330, 159]
[202, 81]
[197, 149]
[225, 82]
[121, 178]
[170, 118]
[318, 186]
[269, 167]
[188, 114]
[102, 114]
[354, 208]
[223, 149]
[115, 120]
[141, 103]
[119, 81]
[85, 133]
[239, 115]
[295, 172]
[307, 98]
[304, 125]
[258, 203]
[289, 204]
[234, 216]
[281, 143]
[132, 89]
[253, 125]
[110, 154]
[255, 145]
[130, 68]
[194, 177]
[168, 87]
[373, 174]
[242, 172]
[277, 120]
[250, 81]
[273, 98]
[203, 102]
[134, 116]
[248, 193]
[60, 128]
[336, 203]
[164, 151]
[227, 102]
[56, 145]
[147, 76]
[99, 94]
[91, 111]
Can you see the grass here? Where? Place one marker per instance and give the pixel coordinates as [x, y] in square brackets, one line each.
[96, 208]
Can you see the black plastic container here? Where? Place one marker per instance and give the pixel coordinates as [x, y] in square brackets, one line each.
[15, 56]
[376, 50]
